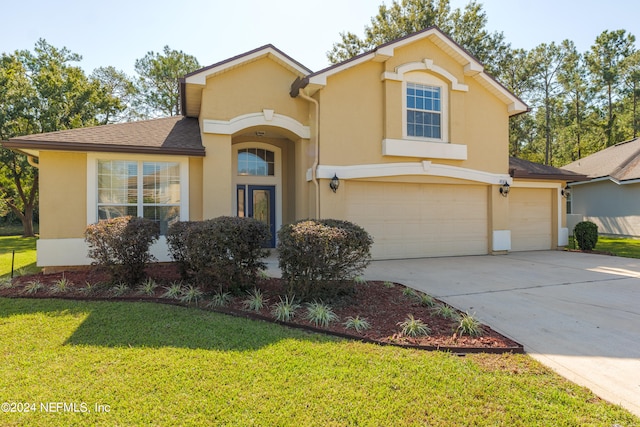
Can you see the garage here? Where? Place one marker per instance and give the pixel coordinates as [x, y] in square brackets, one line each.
[410, 220]
[530, 218]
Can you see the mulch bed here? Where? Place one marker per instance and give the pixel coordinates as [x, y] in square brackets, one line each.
[383, 305]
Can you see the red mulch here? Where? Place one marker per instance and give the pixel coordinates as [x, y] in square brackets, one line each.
[383, 307]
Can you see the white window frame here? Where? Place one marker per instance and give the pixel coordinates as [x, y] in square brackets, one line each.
[92, 179]
[427, 79]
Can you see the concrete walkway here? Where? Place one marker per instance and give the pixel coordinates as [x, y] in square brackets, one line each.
[577, 313]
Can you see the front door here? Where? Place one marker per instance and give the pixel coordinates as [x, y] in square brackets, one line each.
[258, 201]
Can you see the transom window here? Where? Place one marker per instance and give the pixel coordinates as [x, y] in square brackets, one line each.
[146, 189]
[424, 111]
[256, 162]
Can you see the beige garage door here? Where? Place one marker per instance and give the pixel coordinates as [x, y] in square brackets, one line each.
[530, 219]
[420, 220]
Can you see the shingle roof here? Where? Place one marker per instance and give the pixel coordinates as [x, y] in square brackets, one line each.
[620, 162]
[172, 135]
[519, 168]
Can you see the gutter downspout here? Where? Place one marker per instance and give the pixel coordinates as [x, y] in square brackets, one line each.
[316, 160]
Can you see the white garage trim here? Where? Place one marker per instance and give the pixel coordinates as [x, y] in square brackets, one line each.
[409, 168]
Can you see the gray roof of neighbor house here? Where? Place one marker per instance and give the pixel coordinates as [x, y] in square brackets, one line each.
[519, 168]
[620, 162]
[175, 135]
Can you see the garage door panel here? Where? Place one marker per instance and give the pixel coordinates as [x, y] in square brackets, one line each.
[420, 220]
[530, 215]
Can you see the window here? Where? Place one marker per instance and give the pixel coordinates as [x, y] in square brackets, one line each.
[147, 189]
[424, 111]
[256, 162]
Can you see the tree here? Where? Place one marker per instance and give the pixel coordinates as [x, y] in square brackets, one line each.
[604, 61]
[572, 75]
[631, 79]
[42, 91]
[158, 81]
[403, 17]
[118, 95]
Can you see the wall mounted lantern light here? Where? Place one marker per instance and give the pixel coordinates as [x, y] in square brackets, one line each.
[504, 190]
[334, 183]
[566, 192]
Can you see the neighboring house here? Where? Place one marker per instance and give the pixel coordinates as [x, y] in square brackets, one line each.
[415, 131]
[611, 196]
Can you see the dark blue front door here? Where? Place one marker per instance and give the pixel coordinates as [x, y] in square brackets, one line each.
[258, 201]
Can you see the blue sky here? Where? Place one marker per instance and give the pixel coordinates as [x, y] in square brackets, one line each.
[117, 32]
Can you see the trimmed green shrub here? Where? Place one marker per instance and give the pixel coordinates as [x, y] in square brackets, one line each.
[221, 254]
[122, 246]
[586, 235]
[313, 254]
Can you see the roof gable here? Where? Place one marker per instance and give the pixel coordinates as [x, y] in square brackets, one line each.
[471, 66]
[620, 162]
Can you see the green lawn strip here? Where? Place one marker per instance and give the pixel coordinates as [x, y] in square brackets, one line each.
[619, 246]
[166, 365]
[25, 249]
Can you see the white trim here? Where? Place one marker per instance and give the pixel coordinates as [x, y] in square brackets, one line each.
[563, 236]
[92, 179]
[423, 149]
[427, 80]
[201, 77]
[501, 240]
[263, 118]
[425, 65]
[409, 168]
[71, 252]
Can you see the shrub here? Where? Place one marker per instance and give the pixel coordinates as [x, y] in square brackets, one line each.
[317, 253]
[285, 310]
[226, 251]
[122, 245]
[412, 327]
[320, 314]
[357, 323]
[586, 235]
[469, 325]
[255, 300]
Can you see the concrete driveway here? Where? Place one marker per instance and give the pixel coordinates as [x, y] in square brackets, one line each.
[577, 313]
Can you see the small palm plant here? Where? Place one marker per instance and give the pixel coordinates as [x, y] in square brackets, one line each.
[413, 327]
[120, 289]
[220, 299]
[255, 301]
[425, 300]
[284, 310]
[61, 285]
[357, 323]
[320, 314]
[173, 291]
[446, 312]
[33, 287]
[148, 287]
[191, 294]
[469, 325]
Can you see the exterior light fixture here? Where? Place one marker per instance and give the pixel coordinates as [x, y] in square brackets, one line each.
[566, 192]
[335, 183]
[504, 190]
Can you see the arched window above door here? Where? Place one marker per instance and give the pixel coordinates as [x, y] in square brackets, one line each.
[256, 162]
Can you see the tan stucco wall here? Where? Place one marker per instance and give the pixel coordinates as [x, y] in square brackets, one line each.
[195, 188]
[63, 194]
[216, 176]
[359, 109]
[262, 84]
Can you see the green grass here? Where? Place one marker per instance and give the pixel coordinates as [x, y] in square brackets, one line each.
[619, 246]
[166, 365]
[25, 248]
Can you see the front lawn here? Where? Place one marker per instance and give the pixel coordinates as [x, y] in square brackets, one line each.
[114, 363]
[25, 249]
[619, 246]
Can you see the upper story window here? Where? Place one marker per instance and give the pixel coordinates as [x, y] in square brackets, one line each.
[424, 111]
[256, 162]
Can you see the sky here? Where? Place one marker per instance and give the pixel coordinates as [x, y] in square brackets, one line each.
[117, 32]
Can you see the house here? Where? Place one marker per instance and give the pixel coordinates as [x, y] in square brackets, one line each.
[610, 197]
[415, 133]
